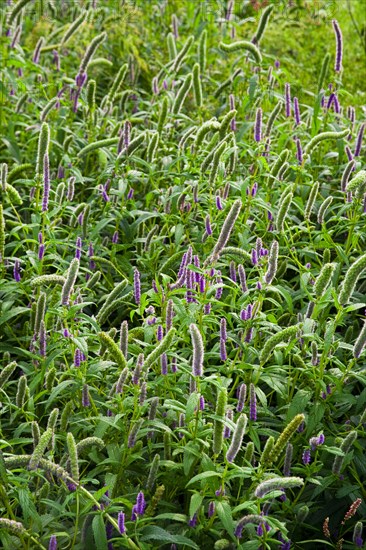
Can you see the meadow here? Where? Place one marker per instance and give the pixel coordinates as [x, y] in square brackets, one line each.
[182, 275]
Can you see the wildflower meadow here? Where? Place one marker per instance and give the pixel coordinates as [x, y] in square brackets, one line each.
[182, 274]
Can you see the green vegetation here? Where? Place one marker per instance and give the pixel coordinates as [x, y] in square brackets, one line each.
[182, 275]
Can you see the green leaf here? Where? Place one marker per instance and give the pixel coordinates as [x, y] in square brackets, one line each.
[153, 532]
[13, 312]
[298, 404]
[203, 475]
[194, 505]
[192, 404]
[224, 512]
[99, 533]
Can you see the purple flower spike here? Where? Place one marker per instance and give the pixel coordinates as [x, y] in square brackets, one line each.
[52, 545]
[115, 237]
[211, 509]
[173, 366]
[16, 271]
[159, 333]
[78, 248]
[218, 202]
[155, 87]
[339, 46]
[306, 457]
[41, 252]
[202, 403]
[208, 225]
[258, 125]
[277, 64]
[193, 521]
[252, 403]
[137, 286]
[105, 194]
[46, 182]
[77, 357]
[299, 154]
[130, 194]
[164, 364]
[223, 338]
[359, 140]
[288, 99]
[254, 189]
[254, 257]
[121, 523]
[241, 397]
[85, 401]
[140, 504]
[297, 111]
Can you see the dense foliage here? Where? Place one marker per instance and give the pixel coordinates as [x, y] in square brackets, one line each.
[183, 276]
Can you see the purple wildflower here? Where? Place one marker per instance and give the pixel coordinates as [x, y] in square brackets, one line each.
[306, 457]
[254, 189]
[41, 250]
[211, 509]
[77, 357]
[115, 237]
[164, 364]
[252, 403]
[207, 309]
[130, 194]
[223, 338]
[193, 521]
[208, 225]
[288, 99]
[91, 253]
[258, 125]
[254, 256]
[121, 523]
[159, 333]
[16, 271]
[233, 271]
[218, 202]
[359, 140]
[85, 401]
[52, 545]
[339, 46]
[140, 504]
[299, 155]
[37, 51]
[242, 278]
[249, 335]
[137, 286]
[105, 196]
[78, 248]
[219, 289]
[46, 182]
[202, 403]
[241, 397]
[277, 64]
[229, 416]
[173, 366]
[297, 111]
[42, 339]
[155, 87]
